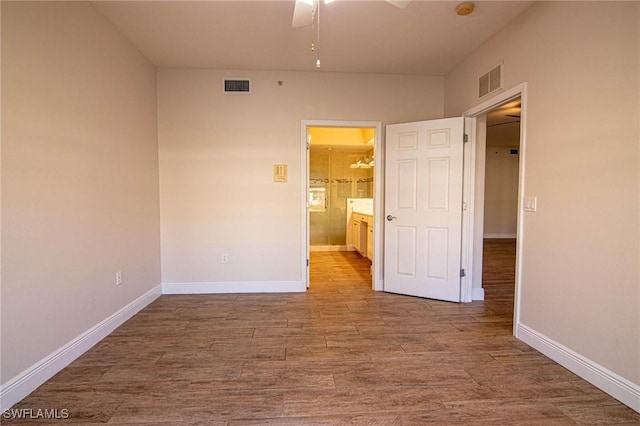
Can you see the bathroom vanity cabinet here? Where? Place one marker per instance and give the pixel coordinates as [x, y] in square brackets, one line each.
[361, 233]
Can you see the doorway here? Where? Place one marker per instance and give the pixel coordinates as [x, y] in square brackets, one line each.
[502, 170]
[342, 190]
[473, 220]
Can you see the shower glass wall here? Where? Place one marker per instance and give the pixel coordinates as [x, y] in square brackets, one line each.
[332, 179]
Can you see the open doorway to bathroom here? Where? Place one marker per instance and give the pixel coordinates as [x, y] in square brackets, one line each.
[341, 193]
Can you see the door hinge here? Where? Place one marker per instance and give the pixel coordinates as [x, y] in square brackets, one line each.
[308, 146]
[307, 263]
[465, 138]
[462, 273]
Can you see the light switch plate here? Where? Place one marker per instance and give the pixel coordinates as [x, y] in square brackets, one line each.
[530, 204]
[280, 172]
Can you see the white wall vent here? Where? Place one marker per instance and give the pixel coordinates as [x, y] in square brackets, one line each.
[490, 82]
[236, 85]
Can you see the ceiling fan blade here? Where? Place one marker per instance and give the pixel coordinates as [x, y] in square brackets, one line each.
[303, 10]
[302, 13]
[399, 3]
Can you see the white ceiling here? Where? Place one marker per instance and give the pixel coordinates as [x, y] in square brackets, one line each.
[426, 38]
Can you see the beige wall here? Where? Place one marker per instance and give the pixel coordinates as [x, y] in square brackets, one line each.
[79, 177]
[500, 193]
[580, 273]
[217, 154]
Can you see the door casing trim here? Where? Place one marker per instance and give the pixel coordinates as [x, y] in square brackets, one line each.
[474, 191]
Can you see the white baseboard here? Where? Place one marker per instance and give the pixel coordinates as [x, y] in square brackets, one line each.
[234, 287]
[477, 293]
[328, 248]
[618, 387]
[29, 380]
[499, 236]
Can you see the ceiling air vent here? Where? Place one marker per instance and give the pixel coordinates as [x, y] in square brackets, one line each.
[236, 85]
[490, 82]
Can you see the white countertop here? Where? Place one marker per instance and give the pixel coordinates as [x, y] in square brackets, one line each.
[361, 205]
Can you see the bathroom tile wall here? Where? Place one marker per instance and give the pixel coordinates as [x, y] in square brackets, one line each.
[331, 170]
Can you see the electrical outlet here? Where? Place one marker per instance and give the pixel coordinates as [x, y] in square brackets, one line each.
[224, 258]
[118, 277]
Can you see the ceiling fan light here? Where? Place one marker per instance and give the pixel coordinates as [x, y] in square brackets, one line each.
[401, 4]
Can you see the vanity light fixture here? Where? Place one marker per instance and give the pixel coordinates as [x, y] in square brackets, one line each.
[363, 163]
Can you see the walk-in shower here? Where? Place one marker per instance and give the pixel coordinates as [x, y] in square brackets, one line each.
[336, 173]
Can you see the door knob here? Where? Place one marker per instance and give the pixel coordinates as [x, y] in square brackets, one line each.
[390, 218]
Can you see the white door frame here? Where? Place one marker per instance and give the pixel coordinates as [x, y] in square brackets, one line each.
[473, 226]
[378, 200]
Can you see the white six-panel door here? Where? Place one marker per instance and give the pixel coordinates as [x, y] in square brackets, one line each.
[423, 208]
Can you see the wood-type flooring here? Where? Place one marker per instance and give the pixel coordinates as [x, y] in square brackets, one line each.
[337, 354]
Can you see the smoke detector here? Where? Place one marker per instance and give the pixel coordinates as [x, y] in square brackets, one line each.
[464, 9]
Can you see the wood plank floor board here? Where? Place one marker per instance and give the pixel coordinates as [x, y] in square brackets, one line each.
[360, 401]
[274, 342]
[484, 413]
[378, 419]
[339, 354]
